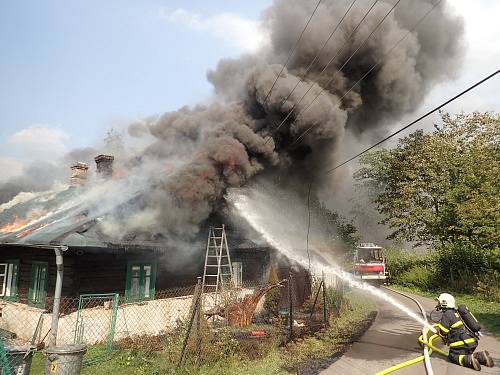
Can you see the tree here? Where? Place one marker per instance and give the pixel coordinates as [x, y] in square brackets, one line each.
[339, 229]
[442, 186]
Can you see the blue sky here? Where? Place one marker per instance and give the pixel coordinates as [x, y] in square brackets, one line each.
[80, 67]
[70, 70]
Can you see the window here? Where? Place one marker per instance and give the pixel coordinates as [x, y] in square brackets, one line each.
[9, 276]
[237, 274]
[140, 283]
[37, 292]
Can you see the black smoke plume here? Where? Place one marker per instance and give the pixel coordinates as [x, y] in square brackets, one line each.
[226, 143]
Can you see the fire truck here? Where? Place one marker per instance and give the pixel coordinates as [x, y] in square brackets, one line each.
[369, 263]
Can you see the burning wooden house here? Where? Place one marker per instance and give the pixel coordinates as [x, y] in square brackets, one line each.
[94, 263]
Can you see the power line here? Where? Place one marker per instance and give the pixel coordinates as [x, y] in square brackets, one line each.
[415, 121]
[415, 26]
[311, 64]
[385, 139]
[291, 52]
[335, 56]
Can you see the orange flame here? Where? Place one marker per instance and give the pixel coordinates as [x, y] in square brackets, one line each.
[31, 230]
[18, 223]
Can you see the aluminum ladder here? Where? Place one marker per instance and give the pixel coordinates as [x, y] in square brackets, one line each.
[218, 271]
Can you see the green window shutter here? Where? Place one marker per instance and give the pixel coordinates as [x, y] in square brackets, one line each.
[139, 285]
[14, 284]
[44, 284]
[152, 281]
[38, 286]
[31, 289]
[128, 282]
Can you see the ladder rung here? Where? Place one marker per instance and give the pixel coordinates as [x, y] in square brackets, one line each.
[216, 256]
[216, 238]
[210, 285]
[213, 265]
[211, 275]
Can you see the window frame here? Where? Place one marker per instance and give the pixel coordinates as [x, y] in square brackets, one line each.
[12, 280]
[142, 281]
[3, 275]
[237, 267]
[43, 300]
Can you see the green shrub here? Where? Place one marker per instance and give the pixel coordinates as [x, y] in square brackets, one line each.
[488, 287]
[399, 261]
[422, 277]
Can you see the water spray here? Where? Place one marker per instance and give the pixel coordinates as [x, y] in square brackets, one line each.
[248, 210]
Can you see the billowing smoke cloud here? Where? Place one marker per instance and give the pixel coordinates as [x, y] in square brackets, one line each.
[43, 175]
[226, 143]
[198, 153]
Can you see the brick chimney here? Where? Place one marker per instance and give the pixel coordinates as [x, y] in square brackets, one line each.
[78, 174]
[104, 165]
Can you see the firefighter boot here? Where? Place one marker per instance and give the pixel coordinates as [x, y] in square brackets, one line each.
[471, 361]
[484, 358]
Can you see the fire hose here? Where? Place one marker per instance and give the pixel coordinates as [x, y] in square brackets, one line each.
[432, 348]
[426, 345]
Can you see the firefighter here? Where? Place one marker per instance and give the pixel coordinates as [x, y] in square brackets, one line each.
[461, 339]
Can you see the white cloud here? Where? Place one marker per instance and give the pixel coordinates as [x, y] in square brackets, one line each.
[40, 141]
[482, 56]
[244, 34]
[10, 168]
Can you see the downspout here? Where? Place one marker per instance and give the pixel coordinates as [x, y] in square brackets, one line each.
[57, 294]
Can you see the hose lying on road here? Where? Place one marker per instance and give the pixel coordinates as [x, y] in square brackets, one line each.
[427, 352]
[432, 348]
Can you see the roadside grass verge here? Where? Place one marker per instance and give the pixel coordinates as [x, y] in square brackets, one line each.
[308, 355]
[487, 312]
[303, 356]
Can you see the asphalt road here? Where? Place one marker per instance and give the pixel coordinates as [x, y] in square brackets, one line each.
[392, 339]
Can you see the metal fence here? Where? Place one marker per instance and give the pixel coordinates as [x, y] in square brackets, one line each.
[175, 322]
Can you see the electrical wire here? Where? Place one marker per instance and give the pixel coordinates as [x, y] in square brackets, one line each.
[388, 137]
[415, 26]
[437, 108]
[331, 60]
[311, 64]
[291, 52]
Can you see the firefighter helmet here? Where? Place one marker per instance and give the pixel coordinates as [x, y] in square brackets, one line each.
[446, 301]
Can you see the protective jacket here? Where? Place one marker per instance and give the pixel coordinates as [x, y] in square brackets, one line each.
[453, 329]
[461, 341]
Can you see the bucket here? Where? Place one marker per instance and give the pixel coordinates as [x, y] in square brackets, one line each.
[65, 360]
[19, 359]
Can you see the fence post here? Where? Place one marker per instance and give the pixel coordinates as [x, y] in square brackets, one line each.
[315, 300]
[195, 308]
[325, 318]
[112, 327]
[290, 300]
[199, 313]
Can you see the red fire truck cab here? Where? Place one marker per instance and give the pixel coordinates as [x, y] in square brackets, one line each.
[369, 263]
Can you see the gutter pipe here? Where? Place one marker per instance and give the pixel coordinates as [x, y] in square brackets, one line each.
[58, 250]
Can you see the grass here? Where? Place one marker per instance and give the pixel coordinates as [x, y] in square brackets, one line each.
[299, 356]
[487, 312]
[356, 316]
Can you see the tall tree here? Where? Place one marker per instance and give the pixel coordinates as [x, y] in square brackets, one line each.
[442, 186]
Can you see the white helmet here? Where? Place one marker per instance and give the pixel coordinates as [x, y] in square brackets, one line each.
[446, 301]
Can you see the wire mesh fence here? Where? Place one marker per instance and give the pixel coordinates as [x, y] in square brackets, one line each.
[15, 359]
[176, 322]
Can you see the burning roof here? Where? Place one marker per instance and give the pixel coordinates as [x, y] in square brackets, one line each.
[254, 125]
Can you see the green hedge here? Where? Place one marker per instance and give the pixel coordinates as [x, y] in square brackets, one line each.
[461, 268]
